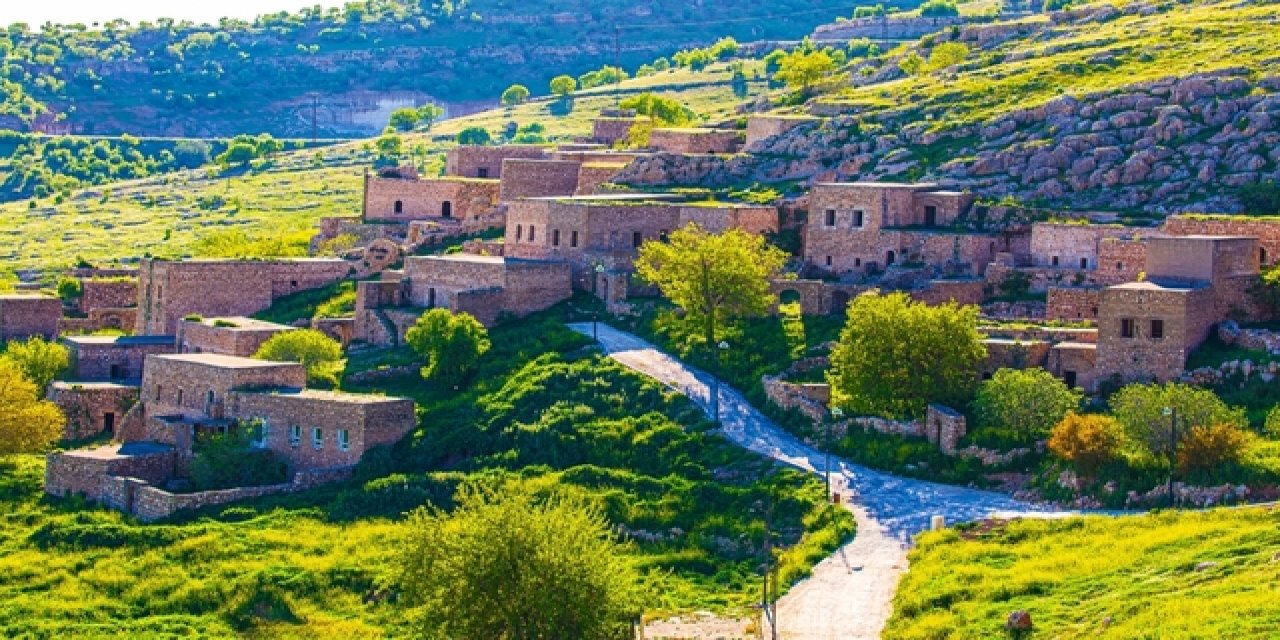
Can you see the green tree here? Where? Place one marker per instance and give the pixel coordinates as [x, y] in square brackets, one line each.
[1272, 425]
[403, 119]
[912, 64]
[947, 54]
[895, 356]
[514, 95]
[428, 114]
[450, 342]
[69, 289]
[1026, 403]
[563, 85]
[238, 153]
[39, 360]
[939, 9]
[1140, 408]
[474, 135]
[663, 110]
[506, 564]
[801, 69]
[28, 424]
[389, 145]
[714, 278]
[317, 352]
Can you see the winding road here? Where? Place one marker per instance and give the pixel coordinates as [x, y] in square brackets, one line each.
[850, 593]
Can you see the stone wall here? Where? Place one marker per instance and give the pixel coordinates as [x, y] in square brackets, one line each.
[816, 297]
[1201, 260]
[123, 318]
[944, 427]
[149, 503]
[84, 472]
[886, 28]
[1072, 246]
[92, 408]
[762, 127]
[1267, 231]
[1013, 354]
[470, 161]
[98, 293]
[25, 316]
[695, 140]
[340, 329]
[609, 130]
[968, 291]
[114, 357]
[593, 175]
[1232, 334]
[172, 290]
[718, 218]
[1075, 363]
[347, 424]
[1186, 316]
[198, 386]
[1072, 303]
[401, 200]
[234, 336]
[538, 178]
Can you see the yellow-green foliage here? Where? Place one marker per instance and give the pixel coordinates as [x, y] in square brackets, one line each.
[1139, 571]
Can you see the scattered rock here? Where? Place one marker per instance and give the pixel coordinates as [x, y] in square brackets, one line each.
[1019, 621]
[1205, 566]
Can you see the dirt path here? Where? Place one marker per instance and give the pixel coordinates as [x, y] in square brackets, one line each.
[850, 594]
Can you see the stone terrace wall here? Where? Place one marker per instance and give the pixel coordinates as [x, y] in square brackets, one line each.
[886, 28]
[758, 219]
[107, 294]
[694, 140]
[609, 130]
[969, 291]
[24, 316]
[538, 178]
[84, 473]
[1120, 261]
[1072, 303]
[762, 127]
[87, 406]
[150, 503]
[592, 175]
[1014, 354]
[486, 162]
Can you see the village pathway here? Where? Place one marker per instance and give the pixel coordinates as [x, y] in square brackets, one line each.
[850, 593]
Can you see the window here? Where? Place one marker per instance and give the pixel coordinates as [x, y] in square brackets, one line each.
[317, 438]
[637, 239]
[1119, 266]
[344, 439]
[831, 217]
[159, 392]
[519, 232]
[533, 232]
[260, 434]
[828, 261]
[555, 238]
[179, 397]
[1127, 326]
[295, 436]
[1157, 329]
[662, 235]
[1054, 262]
[399, 206]
[930, 216]
[1069, 377]
[857, 262]
[446, 209]
[573, 238]
[857, 218]
[889, 258]
[1084, 263]
[482, 172]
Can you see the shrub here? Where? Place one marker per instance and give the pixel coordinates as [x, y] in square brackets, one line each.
[1272, 425]
[451, 343]
[1026, 403]
[514, 95]
[316, 351]
[69, 289]
[1261, 197]
[474, 136]
[226, 460]
[39, 360]
[1087, 441]
[939, 8]
[1141, 409]
[1204, 450]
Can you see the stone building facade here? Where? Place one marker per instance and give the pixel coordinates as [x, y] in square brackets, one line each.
[114, 357]
[446, 200]
[474, 161]
[92, 408]
[234, 336]
[318, 430]
[171, 290]
[24, 316]
[524, 178]
[1266, 230]
[860, 228]
[1080, 247]
[1146, 330]
[613, 125]
[695, 140]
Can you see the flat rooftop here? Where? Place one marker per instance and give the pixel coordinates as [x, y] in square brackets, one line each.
[225, 362]
[464, 257]
[615, 197]
[122, 341]
[914, 186]
[25, 296]
[243, 324]
[92, 386]
[1076, 346]
[126, 450]
[329, 396]
[1151, 286]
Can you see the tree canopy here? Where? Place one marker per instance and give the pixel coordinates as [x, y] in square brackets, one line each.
[317, 352]
[714, 278]
[474, 135]
[801, 68]
[39, 360]
[28, 424]
[450, 342]
[896, 356]
[1026, 403]
[514, 95]
[1140, 409]
[563, 85]
[508, 564]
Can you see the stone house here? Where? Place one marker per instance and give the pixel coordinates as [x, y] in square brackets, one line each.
[169, 291]
[449, 200]
[27, 315]
[234, 336]
[695, 140]
[475, 161]
[108, 300]
[862, 228]
[487, 287]
[115, 358]
[92, 408]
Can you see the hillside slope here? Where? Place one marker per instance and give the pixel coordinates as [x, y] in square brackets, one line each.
[1140, 107]
[344, 70]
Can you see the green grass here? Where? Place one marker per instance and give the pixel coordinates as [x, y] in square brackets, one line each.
[1137, 571]
[542, 410]
[336, 300]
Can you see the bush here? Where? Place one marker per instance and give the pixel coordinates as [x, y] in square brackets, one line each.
[316, 351]
[69, 289]
[1088, 442]
[225, 461]
[939, 8]
[1204, 451]
[1261, 197]
[474, 136]
[451, 343]
[1141, 409]
[1272, 425]
[1024, 403]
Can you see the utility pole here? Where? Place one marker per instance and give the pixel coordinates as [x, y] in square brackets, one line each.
[1172, 412]
[315, 105]
[617, 63]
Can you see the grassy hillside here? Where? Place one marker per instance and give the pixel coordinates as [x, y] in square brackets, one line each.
[166, 78]
[1211, 574]
[541, 411]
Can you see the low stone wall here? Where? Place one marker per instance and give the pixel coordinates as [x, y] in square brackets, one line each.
[1072, 303]
[1258, 339]
[150, 503]
[1243, 370]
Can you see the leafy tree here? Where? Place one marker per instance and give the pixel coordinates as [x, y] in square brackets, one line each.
[474, 135]
[947, 54]
[665, 111]
[895, 356]
[228, 460]
[801, 69]
[428, 114]
[450, 342]
[403, 119]
[1206, 450]
[514, 95]
[317, 352]
[869, 12]
[1057, 5]
[510, 565]
[1140, 409]
[28, 424]
[1088, 442]
[389, 146]
[238, 153]
[600, 77]
[69, 289]
[563, 85]
[1261, 197]
[939, 9]
[714, 278]
[1026, 402]
[912, 64]
[1272, 425]
[39, 360]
